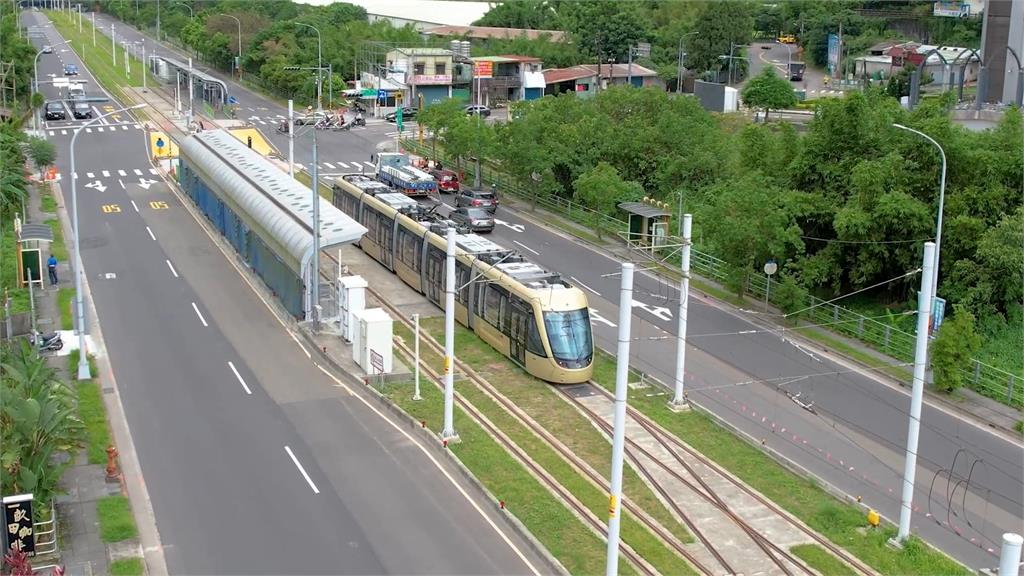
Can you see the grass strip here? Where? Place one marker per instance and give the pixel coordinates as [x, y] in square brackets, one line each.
[127, 567]
[57, 247]
[574, 430]
[92, 412]
[64, 296]
[48, 202]
[564, 535]
[819, 559]
[98, 58]
[9, 270]
[115, 517]
[841, 523]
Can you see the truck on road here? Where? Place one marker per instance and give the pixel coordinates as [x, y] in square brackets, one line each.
[397, 171]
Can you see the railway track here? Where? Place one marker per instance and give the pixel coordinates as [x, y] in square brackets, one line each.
[684, 455]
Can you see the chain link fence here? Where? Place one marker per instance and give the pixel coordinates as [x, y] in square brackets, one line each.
[988, 380]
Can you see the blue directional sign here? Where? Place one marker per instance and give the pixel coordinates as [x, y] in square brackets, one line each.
[382, 96]
[938, 312]
[159, 142]
[232, 100]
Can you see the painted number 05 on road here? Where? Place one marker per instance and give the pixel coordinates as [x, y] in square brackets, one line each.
[111, 208]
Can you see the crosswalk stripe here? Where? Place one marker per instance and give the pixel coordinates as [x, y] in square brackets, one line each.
[99, 128]
[262, 122]
[122, 173]
[368, 163]
[138, 172]
[88, 130]
[153, 171]
[329, 165]
[74, 176]
[343, 165]
[89, 175]
[51, 133]
[123, 128]
[137, 127]
[62, 132]
[106, 174]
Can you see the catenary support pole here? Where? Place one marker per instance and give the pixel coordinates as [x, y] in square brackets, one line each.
[190, 93]
[679, 398]
[94, 28]
[619, 433]
[145, 67]
[920, 361]
[291, 138]
[416, 347]
[113, 45]
[314, 305]
[448, 433]
[1009, 556]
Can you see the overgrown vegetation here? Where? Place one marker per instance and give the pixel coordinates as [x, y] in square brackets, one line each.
[115, 516]
[92, 412]
[127, 567]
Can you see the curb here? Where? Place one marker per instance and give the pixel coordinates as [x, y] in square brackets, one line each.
[432, 440]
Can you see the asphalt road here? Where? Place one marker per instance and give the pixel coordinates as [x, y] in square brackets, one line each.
[778, 55]
[742, 371]
[256, 462]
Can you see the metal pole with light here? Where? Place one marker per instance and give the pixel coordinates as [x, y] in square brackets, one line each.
[79, 18]
[315, 276]
[448, 432]
[938, 222]
[319, 65]
[191, 15]
[770, 268]
[416, 346]
[917, 393]
[190, 92]
[291, 139]
[93, 28]
[679, 398]
[113, 45]
[619, 421]
[83, 361]
[679, 80]
[145, 66]
[239, 66]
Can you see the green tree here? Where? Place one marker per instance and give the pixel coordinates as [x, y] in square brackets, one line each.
[42, 152]
[606, 28]
[439, 118]
[531, 14]
[954, 345]
[788, 294]
[602, 189]
[13, 185]
[768, 91]
[719, 25]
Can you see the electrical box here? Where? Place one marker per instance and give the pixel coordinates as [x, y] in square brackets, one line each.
[352, 299]
[371, 347]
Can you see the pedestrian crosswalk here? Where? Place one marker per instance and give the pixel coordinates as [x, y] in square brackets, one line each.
[126, 173]
[339, 167]
[89, 130]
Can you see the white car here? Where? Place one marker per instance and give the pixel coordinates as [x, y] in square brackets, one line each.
[47, 49]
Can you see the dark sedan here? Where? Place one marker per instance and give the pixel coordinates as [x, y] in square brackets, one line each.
[476, 219]
[56, 111]
[407, 114]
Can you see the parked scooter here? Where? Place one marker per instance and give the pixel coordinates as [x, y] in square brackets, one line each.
[46, 342]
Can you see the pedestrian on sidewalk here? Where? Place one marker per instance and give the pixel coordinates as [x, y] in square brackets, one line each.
[51, 267]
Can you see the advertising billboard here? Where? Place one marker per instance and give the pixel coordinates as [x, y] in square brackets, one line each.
[833, 54]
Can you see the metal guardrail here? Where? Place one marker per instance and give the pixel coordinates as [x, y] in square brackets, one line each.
[987, 380]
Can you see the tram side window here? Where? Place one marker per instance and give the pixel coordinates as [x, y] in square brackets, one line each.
[534, 345]
[497, 301]
[462, 275]
[370, 221]
[409, 249]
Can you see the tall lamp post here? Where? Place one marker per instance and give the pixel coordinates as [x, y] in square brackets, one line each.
[35, 78]
[319, 65]
[239, 66]
[938, 223]
[83, 360]
[679, 70]
[191, 14]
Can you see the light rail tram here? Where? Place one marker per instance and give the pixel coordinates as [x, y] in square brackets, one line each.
[527, 313]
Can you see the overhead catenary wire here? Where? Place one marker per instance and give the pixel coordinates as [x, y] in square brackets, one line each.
[837, 241]
[841, 296]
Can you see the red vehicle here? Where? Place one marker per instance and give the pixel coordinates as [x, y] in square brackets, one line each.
[447, 181]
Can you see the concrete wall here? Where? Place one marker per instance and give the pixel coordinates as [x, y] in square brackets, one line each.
[21, 324]
[1003, 26]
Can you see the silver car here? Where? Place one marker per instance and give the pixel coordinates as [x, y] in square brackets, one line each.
[476, 219]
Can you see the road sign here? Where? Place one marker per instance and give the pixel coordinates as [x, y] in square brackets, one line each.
[377, 361]
[770, 267]
[382, 96]
[483, 69]
[642, 50]
[938, 312]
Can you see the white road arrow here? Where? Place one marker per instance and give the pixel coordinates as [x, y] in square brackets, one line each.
[596, 317]
[663, 313]
[97, 185]
[516, 227]
[146, 183]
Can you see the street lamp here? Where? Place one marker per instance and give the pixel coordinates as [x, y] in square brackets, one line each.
[942, 201]
[679, 80]
[239, 67]
[191, 15]
[319, 65]
[35, 76]
[83, 361]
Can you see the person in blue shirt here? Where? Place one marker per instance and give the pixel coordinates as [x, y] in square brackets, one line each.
[51, 266]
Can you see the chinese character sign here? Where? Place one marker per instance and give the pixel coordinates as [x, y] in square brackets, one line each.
[18, 525]
[833, 54]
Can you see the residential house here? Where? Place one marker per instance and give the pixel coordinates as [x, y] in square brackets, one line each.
[491, 32]
[507, 78]
[887, 59]
[436, 74]
[582, 79]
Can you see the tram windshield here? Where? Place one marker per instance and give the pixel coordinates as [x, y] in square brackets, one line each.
[572, 343]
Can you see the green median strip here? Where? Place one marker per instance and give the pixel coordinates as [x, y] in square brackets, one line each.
[48, 202]
[57, 248]
[92, 412]
[542, 404]
[843, 524]
[64, 303]
[127, 567]
[98, 58]
[115, 517]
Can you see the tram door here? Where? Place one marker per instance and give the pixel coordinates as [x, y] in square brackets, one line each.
[518, 329]
[435, 274]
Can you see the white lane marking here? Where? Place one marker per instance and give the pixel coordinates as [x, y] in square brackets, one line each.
[106, 174]
[239, 376]
[137, 127]
[62, 133]
[122, 173]
[124, 127]
[171, 266]
[150, 233]
[153, 171]
[343, 165]
[121, 182]
[89, 175]
[659, 311]
[329, 165]
[137, 172]
[527, 247]
[576, 280]
[595, 316]
[88, 130]
[99, 128]
[200, 314]
[370, 164]
[303, 470]
[52, 133]
[134, 205]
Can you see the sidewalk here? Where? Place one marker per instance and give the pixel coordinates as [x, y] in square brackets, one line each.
[984, 411]
[80, 549]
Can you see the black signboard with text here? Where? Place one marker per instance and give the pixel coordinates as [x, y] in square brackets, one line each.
[19, 532]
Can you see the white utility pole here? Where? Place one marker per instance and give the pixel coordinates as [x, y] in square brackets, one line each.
[145, 66]
[291, 139]
[416, 346]
[79, 18]
[190, 92]
[619, 433]
[113, 45]
[93, 28]
[315, 277]
[917, 395]
[448, 433]
[177, 93]
[679, 398]
[1009, 557]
